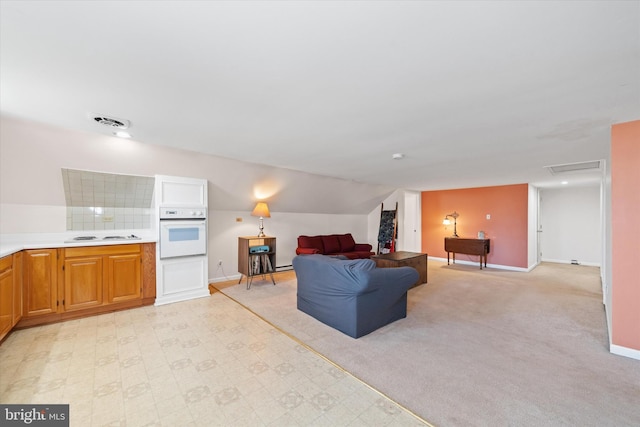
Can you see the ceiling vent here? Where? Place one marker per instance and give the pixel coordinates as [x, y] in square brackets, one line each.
[112, 122]
[591, 166]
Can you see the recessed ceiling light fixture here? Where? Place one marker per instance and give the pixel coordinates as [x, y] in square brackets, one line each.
[122, 134]
[397, 156]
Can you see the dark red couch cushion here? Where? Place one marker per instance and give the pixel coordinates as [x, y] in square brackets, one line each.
[335, 244]
[347, 244]
[331, 244]
[311, 242]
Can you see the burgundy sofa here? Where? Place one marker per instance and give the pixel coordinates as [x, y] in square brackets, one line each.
[333, 244]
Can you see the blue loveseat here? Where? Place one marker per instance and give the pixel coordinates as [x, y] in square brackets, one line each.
[352, 296]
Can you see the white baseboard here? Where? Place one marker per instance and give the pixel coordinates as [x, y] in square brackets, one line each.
[238, 275]
[477, 264]
[624, 351]
[225, 278]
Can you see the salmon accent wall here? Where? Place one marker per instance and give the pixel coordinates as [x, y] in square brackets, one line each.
[507, 228]
[625, 209]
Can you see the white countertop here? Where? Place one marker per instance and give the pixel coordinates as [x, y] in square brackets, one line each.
[12, 243]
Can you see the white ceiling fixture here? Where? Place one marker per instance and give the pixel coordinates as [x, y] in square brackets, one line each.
[112, 122]
[398, 156]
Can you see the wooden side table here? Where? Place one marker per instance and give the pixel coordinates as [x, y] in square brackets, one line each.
[404, 259]
[256, 263]
[479, 247]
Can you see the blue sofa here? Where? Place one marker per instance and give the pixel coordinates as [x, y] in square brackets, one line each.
[352, 296]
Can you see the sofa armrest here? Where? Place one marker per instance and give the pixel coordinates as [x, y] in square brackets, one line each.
[362, 247]
[307, 251]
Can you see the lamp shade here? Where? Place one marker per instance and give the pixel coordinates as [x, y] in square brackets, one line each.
[446, 221]
[261, 210]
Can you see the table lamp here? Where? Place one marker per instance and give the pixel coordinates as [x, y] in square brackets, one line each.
[261, 210]
[447, 221]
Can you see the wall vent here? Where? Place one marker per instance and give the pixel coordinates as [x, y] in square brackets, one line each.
[110, 121]
[591, 166]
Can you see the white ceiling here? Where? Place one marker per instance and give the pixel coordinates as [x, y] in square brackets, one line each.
[472, 93]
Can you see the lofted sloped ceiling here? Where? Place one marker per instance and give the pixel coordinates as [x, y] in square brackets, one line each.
[473, 93]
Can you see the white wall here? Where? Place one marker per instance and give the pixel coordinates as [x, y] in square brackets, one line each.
[32, 195]
[224, 230]
[33, 155]
[389, 203]
[571, 227]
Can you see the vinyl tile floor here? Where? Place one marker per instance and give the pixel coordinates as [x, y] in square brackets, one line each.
[203, 362]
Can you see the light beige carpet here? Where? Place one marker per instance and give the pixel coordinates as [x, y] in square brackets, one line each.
[481, 348]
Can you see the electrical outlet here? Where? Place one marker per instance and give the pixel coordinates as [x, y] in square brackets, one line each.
[107, 218]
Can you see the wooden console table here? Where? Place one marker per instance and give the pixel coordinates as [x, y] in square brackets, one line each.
[402, 259]
[467, 246]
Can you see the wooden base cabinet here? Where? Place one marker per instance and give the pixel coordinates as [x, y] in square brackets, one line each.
[40, 282]
[67, 283]
[6, 295]
[10, 292]
[98, 275]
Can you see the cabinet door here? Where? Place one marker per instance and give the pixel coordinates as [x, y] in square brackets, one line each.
[40, 282]
[17, 288]
[6, 295]
[123, 276]
[82, 283]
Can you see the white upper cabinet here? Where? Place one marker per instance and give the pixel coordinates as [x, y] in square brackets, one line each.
[179, 191]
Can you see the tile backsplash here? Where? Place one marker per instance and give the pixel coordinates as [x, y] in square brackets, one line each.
[104, 201]
[99, 218]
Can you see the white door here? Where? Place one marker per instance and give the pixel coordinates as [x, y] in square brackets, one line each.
[412, 222]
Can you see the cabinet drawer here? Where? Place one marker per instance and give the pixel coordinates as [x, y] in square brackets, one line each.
[83, 251]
